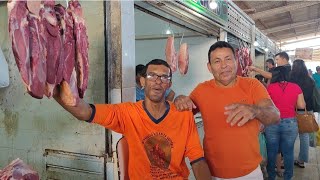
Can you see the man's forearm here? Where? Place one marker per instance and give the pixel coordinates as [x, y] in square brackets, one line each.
[201, 170]
[82, 111]
[267, 115]
[265, 74]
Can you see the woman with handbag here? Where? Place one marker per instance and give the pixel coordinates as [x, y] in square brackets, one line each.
[286, 96]
[299, 75]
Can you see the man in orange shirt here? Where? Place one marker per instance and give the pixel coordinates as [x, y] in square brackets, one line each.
[232, 108]
[159, 137]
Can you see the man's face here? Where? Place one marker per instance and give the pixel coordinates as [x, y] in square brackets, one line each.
[156, 82]
[223, 66]
[280, 61]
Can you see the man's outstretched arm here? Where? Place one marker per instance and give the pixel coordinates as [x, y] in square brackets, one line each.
[82, 110]
[265, 74]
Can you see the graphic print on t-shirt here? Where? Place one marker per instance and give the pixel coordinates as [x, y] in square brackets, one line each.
[158, 147]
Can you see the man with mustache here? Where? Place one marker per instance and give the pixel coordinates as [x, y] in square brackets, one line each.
[232, 109]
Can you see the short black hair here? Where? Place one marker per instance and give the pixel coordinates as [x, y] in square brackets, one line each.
[220, 44]
[271, 61]
[158, 62]
[283, 55]
[280, 74]
[140, 69]
[318, 68]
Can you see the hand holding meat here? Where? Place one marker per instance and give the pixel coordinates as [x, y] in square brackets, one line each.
[50, 46]
[240, 114]
[184, 103]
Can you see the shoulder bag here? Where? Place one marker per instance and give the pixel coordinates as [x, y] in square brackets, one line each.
[307, 122]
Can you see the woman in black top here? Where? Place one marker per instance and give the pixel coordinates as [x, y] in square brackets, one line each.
[299, 75]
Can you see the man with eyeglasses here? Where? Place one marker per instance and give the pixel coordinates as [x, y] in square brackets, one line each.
[232, 110]
[140, 71]
[159, 137]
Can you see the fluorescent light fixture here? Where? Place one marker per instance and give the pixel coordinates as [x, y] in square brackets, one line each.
[266, 49]
[213, 4]
[256, 43]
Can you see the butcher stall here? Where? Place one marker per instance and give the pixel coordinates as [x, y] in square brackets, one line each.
[46, 44]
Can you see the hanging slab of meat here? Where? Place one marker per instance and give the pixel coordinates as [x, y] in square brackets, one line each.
[38, 57]
[19, 33]
[53, 45]
[69, 87]
[25, 31]
[183, 59]
[82, 45]
[171, 56]
[244, 60]
[238, 58]
[66, 28]
[17, 169]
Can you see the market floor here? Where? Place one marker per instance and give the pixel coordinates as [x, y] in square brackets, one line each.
[312, 169]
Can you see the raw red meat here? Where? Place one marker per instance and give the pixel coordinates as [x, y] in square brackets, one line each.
[17, 169]
[50, 45]
[183, 59]
[27, 43]
[19, 33]
[69, 83]
[53, 45]
[171, 56]
[37, 58]
[82, 45]
[244, 60]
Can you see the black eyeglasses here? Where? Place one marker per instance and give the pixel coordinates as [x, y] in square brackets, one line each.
[153, 77]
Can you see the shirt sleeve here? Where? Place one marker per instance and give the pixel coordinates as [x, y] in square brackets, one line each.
[258, 91]
[193, 150]
[111, 116]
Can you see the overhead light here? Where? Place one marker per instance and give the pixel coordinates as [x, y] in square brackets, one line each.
[168, 31]
[213, 5]
[266, 49]
[256, 43]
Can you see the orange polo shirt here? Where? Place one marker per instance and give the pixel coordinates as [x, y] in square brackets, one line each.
[230, 151]
[156, 150]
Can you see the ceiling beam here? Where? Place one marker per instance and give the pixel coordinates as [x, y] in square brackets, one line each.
[302, 34]
[251, 10]
[289, 26]
[290, 15]
[282, 9]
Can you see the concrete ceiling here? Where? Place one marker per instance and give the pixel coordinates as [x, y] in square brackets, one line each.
[282, 21]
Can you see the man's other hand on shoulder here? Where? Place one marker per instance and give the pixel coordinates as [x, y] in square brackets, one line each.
[184, 103]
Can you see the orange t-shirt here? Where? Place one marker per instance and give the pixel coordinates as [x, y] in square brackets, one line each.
[156, 151]
[230, 151]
